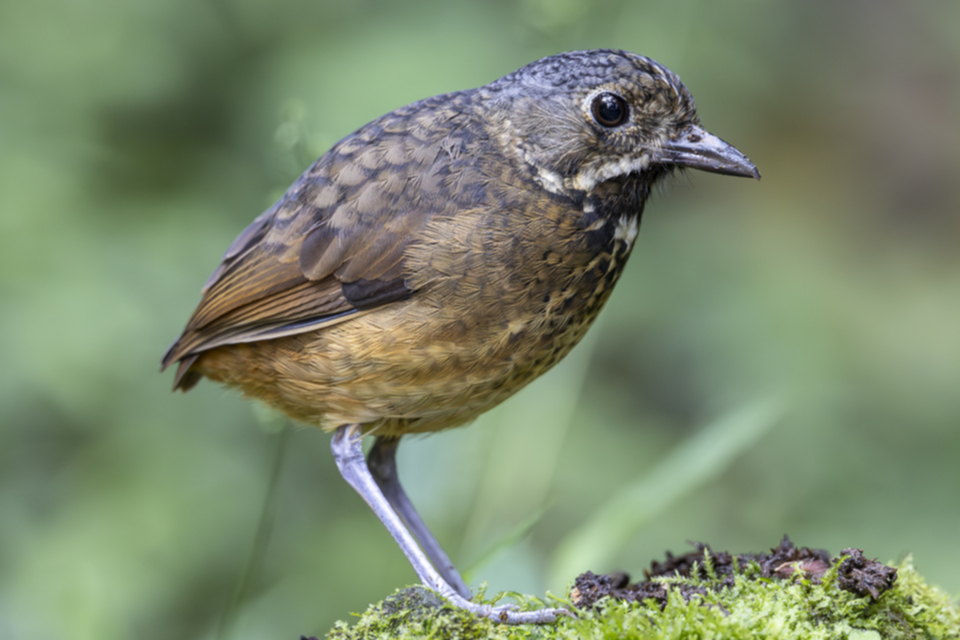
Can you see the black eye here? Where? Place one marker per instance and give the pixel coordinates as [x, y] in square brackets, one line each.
[609, 109]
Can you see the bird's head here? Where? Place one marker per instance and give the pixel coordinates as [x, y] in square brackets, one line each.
[585, 117]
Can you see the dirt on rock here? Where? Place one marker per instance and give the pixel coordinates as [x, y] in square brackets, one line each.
[863, 576]
[856, 573]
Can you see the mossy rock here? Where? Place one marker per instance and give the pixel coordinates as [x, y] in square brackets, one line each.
[718, 597]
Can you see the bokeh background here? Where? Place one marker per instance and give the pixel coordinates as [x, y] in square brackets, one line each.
[138, 138]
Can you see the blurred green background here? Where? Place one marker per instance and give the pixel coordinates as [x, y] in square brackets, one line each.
[138, 138]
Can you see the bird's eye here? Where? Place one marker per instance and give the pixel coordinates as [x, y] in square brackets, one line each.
[609, 109]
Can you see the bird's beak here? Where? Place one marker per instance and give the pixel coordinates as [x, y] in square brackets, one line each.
[699, 149]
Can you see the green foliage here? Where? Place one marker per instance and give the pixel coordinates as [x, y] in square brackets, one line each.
[689, 467]
[758, 609]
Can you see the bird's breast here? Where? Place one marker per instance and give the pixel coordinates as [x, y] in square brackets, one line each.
[520, 286]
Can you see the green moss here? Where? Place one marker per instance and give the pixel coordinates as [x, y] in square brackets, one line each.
[752, 607]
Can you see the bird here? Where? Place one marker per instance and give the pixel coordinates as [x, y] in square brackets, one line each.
[440, 258]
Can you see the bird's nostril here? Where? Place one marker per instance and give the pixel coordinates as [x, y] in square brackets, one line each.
[693, 137]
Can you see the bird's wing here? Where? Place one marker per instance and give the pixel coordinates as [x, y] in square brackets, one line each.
[334, 244]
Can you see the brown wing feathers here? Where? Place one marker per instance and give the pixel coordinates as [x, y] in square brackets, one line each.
[332, 246]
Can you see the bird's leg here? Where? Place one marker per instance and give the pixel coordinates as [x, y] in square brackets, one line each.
[348, 453]
[382, 462]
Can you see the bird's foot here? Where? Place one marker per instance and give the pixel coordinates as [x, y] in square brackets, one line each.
[509, 613]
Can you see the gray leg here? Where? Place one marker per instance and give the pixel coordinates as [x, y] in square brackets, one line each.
[382, 462]
[349, 457]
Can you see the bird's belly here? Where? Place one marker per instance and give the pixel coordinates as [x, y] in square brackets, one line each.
[413, 366]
